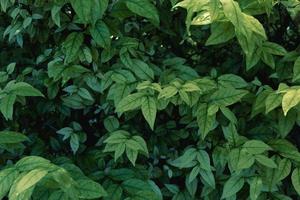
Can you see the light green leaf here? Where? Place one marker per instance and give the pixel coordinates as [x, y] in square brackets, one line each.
[290, 99]
[130, 102]
[233, 13]
[29, 180]
[149, 110]
[168, 92]
[101, 34]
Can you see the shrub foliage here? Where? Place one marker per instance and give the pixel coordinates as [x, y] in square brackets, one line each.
[149, 99]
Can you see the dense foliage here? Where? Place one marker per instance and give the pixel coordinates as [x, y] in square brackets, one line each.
[149, 99]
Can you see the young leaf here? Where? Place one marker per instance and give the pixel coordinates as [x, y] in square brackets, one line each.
[290, 99]
[29, 180]
[130, 102]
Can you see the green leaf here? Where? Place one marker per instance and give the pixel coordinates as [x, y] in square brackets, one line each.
[296, 180]
[228, 114]
[131, 155]
[24, 89]
[194, 173]
[240, 159]
[29, 163]
[74, 142]
[10, 137]
[227, 96]
[72, 46]
[114, 192]
[168, 92]
[205, 121]
[101, 34]
[111, 123]
[208, 177]
[145, 9]
[296, 70]
[265, 161]
[220, 33]
[273, 101]
[149, 110]
[7, 177]
[233, 13]
[131, 102]
[283, 169]
[256, 187]
[89, 189]
[232, 80]
[141, 69]
[7, 106]
[256, 147]
[232, 186]
[273, 48]
[29, 180]
[83, 9]
[186, 160]
[290, 99]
